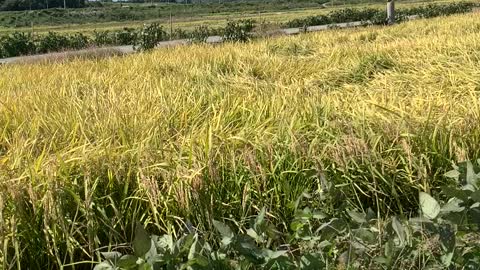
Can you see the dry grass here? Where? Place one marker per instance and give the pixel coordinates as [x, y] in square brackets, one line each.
[90, 146]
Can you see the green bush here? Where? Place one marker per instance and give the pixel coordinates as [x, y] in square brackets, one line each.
[52, 42]
[150, 36]
[126, 36]
[79, 41]
[238, 31]
[378, 17]
[103, 38]
[18, 44]
[200, 34]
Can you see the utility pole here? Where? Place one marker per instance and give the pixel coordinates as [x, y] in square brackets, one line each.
[171, 23]
[391, 12]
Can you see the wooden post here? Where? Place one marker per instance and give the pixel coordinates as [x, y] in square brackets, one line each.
[390, 12]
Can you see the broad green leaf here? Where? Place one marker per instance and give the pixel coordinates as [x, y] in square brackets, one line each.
[357, 217]
[452, 192]
[103, 266]
[429, 206]
[365, 235]
[454, 174]
[475, 196]
[145, 266]
[166, 243]
[184, 243]
[472, 177]
[260, 218]
[252, 233]
[370, 214]
[127, 262]
[111, 256]
[246, 247]
[223, 229]
[199, 261]
[447, 259]
[274, 254]
[195, 249]
[399, 230]
[142, 242]
[312, 261]
[318, 215]
[452, 206]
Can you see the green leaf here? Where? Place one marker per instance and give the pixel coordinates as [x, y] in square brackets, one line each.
[165, 243]
[472, 177]
[357, 217]
[452, 206]
[103, 266]
[246, 247]
[142, 242]
[365, 235]
[447, 259]
[429, 206]
[145, 266]
[452, 192]
[127, 262]
[195, 249]
[318, 215]
[399, 230]
[312, 262]
[260, 218]
[225, 231]
[111, 256]
[183, 244]
[270, 255]
[454, 174]
[475, 196]
[252, 233]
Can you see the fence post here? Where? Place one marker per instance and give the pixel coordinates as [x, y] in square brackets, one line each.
[390, 11]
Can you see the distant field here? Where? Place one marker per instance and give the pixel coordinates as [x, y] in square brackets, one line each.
[113, 16]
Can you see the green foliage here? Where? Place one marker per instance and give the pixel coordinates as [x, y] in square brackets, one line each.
[15, 5]
[378, 17]
[150, 36]
[79, 41]
[442, 237]
[238, 31]
[127, 36]
[17, 44]
[200, 34]
[52, 42]
[103, 38]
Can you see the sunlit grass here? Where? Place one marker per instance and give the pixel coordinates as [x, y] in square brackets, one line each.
[89, 147]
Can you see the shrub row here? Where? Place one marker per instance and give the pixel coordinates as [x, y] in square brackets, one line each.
[377, 16]
[145, 38]
[20, 43]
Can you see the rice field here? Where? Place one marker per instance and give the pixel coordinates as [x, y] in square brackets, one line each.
[89, 147]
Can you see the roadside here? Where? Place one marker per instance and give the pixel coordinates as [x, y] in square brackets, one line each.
[124, 50]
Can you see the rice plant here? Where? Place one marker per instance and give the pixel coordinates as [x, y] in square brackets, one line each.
[190, 135]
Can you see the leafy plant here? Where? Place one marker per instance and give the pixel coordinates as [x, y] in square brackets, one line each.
[200, 34]
[18, 44]
[238, 31]
[150, 36]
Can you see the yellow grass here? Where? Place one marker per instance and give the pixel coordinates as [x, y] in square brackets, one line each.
[381, 111]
